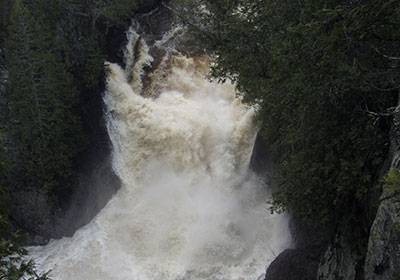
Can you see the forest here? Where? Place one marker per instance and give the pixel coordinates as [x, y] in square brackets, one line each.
[54, 60]
[324, 76]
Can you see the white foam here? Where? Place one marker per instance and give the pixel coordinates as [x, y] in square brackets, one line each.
[189, 208]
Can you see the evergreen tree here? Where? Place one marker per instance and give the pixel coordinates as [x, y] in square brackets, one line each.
[325, 77]
[13, 262]
[4, 17]
[43, 102]
[113, 12]
[13, 258]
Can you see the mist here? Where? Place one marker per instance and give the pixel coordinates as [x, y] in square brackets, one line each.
[189, 207]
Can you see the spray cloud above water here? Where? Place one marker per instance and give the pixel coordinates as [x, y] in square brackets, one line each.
[189, 208]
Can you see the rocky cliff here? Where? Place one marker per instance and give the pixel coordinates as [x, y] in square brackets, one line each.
[34, 210]
[315, 257]
[380, 258]
[383, 252]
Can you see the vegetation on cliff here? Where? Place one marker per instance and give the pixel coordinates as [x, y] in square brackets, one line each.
[54, 59]
[42, 99]
[13, 262]
[392, 185]
[325, 75]
[54, 56]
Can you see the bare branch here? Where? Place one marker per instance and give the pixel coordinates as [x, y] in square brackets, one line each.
[384, 55]
[381, 89]
[208, 35]
[387, 113]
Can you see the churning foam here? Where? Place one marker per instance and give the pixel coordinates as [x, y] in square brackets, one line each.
[189, 208]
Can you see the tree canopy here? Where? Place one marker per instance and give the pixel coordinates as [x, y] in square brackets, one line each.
[54, 59]
[42, 101]
[325, 77]
[54, 56]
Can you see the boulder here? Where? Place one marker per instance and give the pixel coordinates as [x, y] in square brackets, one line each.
[294, 264]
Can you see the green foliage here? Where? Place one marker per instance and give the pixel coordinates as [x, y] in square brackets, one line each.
[86, 52]
[42, 92]
[391, 184]
[43, 102]
[106, 13]
[4, 195]
[49, 63]
[14, 264]
[93, 62]
[4, 17]
[54, 60]
[325, 77]
[114, 12]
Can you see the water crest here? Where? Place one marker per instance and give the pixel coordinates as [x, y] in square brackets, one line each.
[189, 208]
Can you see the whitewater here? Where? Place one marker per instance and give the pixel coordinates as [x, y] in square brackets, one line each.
[189, 207]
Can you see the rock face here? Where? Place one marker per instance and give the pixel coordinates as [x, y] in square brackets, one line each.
[315, 258]
[340, 262]
[96, 181]
[383, 252]
[293, 264]
[300, 263]
[381, 259]
[31, 206]
[261, 159]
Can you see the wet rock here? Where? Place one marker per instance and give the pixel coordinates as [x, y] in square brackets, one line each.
[302, 262]
[97, 184]
[261, 159]
[293, 264]
[35, 211]
[341, 262]
[383, 254]
[32, 212]
[37, 240]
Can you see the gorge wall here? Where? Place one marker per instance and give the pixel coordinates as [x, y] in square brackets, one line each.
[33, 208]
[313, 258]
[316, 257]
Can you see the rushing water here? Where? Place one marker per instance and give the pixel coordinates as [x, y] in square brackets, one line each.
[189, 208]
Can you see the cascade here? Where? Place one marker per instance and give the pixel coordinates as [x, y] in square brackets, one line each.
[189, 207]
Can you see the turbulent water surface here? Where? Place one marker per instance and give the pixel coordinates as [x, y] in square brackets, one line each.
[189, 208]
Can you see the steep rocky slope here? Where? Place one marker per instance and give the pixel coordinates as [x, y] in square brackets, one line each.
[33, 210]
[314, 257]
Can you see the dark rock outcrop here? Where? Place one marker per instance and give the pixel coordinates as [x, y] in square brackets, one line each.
[261, 159]
[302, 262]
[315, 258]
[383, 252]
[294, 264]
[35, 211]
[380, 259]
[340, 261]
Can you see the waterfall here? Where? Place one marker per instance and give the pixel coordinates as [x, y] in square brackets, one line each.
[189, 207]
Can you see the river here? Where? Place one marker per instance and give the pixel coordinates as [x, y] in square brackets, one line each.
[189, 207]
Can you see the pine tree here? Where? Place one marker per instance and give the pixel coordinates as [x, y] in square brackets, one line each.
[23, 94]
[325, 78]
[42, 100]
